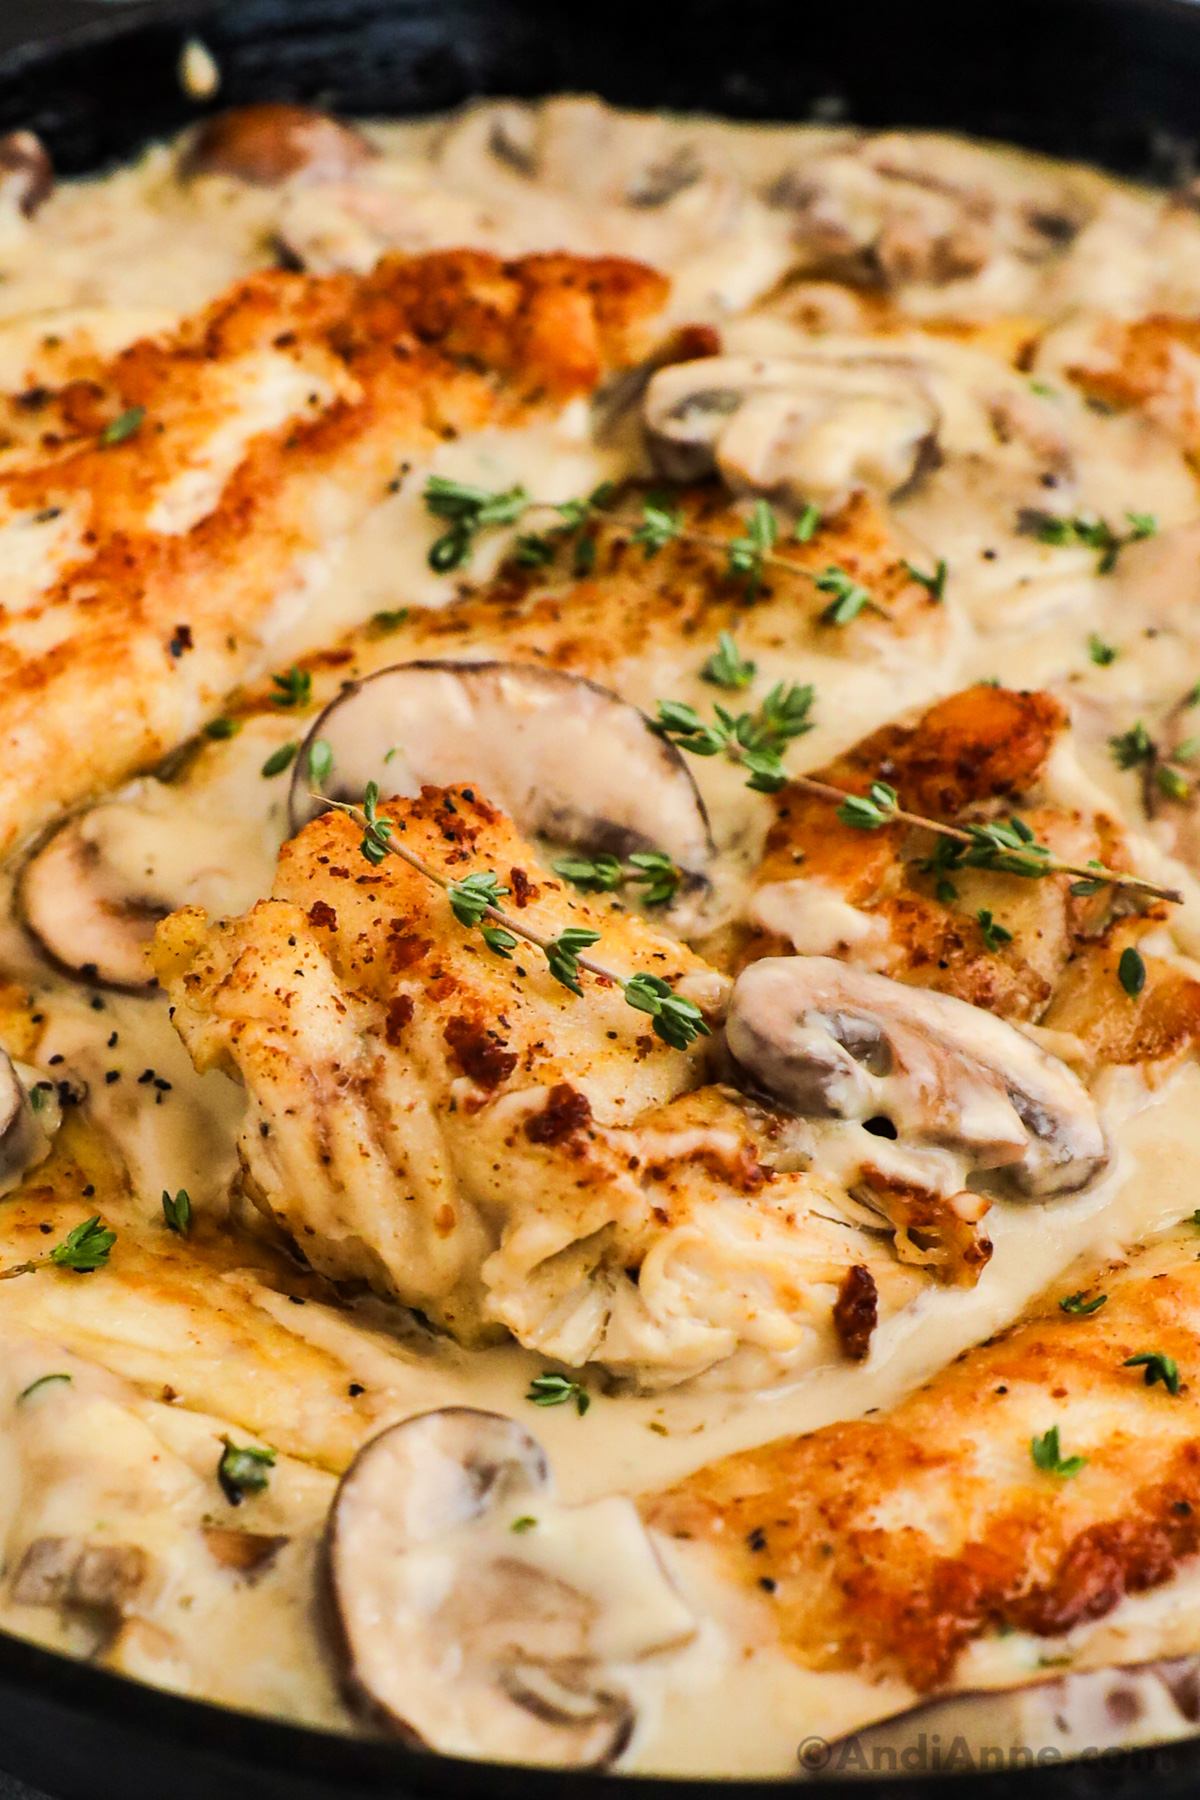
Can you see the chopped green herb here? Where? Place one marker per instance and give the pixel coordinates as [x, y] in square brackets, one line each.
[222, 728]
[868, 812]
[280, 759]
[1047, 1455]
[177, 1211]
[243, 1469]
[1085, 888]
[807, 523]
[600, 874]
[678, 1022]
[1133, 747]
[534, 550]
[1186, 751]
[41, 1382]
[1172, 782]
[657, 873]
[470, 510]
[935, 584]
[1102, 654]
[1157, 1368]
[945, 891]
[470, 898]
[320, 761]
[661, 523]
[557, 1390]
[1091, 532]
[525, 1523]
[1131, 972]
[292, 689]
[1044, 389]
[1080, 1307]
[497, 939]
[85, 1247]
[374, 844]
[562, 955]
[746, 554]
[849, 597]
[994, 935]
[123, 427]
[752, 739]
[384, 623]
[725, 667]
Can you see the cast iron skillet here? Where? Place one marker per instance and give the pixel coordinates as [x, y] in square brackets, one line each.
[1114, 81]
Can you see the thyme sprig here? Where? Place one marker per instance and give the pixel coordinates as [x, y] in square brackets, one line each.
[1090, 531]
[755, 740]
[85, 1247]
[1005, 846]
[475, 897]
[471, 510]
[604, 873]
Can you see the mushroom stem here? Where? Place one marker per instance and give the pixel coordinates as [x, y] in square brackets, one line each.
[1050, 864]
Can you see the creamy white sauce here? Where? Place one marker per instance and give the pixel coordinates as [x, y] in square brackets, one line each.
[107, 262]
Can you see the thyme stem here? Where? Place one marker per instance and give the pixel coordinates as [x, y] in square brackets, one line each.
[1112, 877]
[507, 921]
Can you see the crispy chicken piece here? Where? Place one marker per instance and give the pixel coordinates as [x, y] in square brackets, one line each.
[161, 522]
[1148, 363]
[890, 1544]
[867, 897]
[632, 612]
[465, 1134]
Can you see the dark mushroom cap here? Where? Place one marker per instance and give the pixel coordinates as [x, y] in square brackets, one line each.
[275, 142]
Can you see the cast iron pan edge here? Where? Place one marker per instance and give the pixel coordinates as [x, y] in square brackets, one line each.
[1113, 81]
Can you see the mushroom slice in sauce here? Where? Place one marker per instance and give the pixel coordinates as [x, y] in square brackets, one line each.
[564, 758]
[477, 1615]
[275, 142]
[1095, 1709]
[24, 1134]
[832, 1041]
[805, 428]
[26, 172]
[80, 912]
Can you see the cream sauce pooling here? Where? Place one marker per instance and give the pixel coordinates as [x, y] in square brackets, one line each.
[1020, 611]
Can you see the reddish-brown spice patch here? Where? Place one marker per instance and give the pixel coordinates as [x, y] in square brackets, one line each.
[856, 1312]
[399, 1014]
[320, 913]
[486, 1059]
[523, 890]
[565, 1112]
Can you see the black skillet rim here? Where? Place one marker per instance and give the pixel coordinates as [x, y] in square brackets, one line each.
[97, 82]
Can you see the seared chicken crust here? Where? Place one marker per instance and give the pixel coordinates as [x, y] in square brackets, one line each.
[889, 1544]
[980, 754]
[173, 508]
[468, 1136]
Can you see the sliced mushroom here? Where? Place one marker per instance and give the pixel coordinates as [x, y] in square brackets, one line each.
[26, 172]
[565, 758]
[806, 429]
[275, 142]
[79, 909]
[1047, 1720]
[69, 1572]
[478, 1616]
[831, 1041]
[24, 1134]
